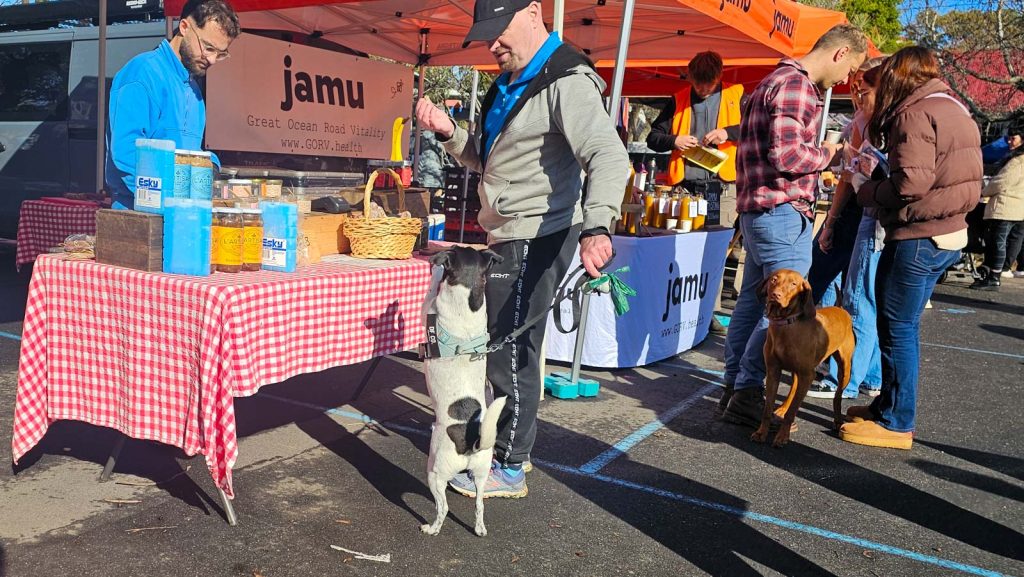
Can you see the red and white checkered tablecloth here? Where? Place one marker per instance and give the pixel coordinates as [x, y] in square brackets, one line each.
[43, 225]
[161, 357]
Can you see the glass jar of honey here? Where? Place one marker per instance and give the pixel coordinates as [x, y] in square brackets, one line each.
[252, 239]
[229, 254]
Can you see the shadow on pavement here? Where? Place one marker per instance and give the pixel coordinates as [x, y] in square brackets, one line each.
[970, 479]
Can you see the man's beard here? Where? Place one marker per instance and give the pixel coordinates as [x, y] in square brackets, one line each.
[194, 65]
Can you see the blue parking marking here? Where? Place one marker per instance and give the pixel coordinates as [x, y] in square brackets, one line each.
[11, 336]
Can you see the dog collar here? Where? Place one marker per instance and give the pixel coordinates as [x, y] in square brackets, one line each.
[786, 321]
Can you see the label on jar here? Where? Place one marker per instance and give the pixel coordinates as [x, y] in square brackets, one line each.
[215, 244]
[274, 253]
[230, 243]
[702, 207]
[201, 187]
[182, 179]
[252, 245]
[693, 208]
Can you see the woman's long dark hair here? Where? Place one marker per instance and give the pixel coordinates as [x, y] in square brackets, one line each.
[901, 74]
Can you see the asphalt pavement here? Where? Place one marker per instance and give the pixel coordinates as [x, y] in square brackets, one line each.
[641, 480]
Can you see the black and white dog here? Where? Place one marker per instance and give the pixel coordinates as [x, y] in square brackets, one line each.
[456, 370]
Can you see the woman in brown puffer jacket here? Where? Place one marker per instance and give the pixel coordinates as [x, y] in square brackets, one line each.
[934, 180]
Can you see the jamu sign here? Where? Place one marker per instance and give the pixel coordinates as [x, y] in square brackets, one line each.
[273, 96]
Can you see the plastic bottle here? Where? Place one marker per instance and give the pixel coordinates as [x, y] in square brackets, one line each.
[675, 206]
[154, 174]
[252, 239]
[685, 215]
[664, 210]
[229, 253]
[701, 212]
[652, 169]
[187, 231]
[280, 235]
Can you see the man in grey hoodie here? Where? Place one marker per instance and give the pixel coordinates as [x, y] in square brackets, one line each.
[543, 128]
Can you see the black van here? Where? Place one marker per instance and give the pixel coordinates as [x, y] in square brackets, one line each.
[48, 108]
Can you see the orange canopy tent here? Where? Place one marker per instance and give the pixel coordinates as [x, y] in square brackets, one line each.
[663, 32]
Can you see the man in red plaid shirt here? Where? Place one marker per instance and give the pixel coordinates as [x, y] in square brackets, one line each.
[778, 164]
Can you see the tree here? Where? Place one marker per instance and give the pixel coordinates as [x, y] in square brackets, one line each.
[981, 52]
[879, 19]
[441, 83]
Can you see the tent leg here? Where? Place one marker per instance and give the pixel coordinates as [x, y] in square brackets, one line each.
[112, 459]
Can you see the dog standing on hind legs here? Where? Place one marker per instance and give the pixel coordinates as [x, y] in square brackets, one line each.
[799, 338]
[464, 427]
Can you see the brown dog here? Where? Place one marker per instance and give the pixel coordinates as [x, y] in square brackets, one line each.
[800, 337]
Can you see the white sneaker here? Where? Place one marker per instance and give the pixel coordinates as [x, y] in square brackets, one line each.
[1006, 274]
[1018, 274]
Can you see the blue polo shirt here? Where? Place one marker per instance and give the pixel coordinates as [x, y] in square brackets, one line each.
[508, 94]
[153, 96]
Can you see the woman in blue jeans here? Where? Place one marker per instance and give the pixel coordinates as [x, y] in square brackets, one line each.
[934, 179]
[859, 259]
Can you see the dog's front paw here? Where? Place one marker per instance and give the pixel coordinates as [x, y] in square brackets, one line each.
[481, 531]
[781, 437]
[760, 435]
[430, 529]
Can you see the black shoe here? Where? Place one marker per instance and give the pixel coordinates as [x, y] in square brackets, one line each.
[724, 401]
[745, 408]
[987, 283]
[717, 328]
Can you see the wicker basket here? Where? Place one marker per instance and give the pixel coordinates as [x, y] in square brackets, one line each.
[383, 238]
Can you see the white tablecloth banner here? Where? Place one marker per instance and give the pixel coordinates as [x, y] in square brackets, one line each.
[675, 276]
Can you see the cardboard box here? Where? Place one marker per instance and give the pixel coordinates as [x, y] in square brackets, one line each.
[130, 239]
[325, 232]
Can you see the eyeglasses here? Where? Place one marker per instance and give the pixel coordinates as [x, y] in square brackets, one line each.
[210, 50]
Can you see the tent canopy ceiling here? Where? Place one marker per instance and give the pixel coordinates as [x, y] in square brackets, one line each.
[664, 32]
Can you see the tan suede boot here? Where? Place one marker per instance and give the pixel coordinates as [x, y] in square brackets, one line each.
[872, 434]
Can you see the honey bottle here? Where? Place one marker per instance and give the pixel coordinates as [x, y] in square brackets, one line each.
[229, 254]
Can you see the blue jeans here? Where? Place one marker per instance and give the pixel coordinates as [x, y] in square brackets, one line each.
[776, 239]
[859, 301]
[907, 273]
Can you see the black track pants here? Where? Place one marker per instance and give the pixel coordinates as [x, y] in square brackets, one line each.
[517, 289]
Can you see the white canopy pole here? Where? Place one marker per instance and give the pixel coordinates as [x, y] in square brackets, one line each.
[101, 99]
[472, 131]
[620, 58]
[559, 22]
[419, 94]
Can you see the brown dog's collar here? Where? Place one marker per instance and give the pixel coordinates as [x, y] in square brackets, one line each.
[786, 321]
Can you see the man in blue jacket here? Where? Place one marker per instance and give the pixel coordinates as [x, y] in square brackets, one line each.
[156, 94]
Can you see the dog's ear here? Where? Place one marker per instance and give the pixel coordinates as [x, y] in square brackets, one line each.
[442, 259]
[493, 258]
[762, 291]
[807, 299]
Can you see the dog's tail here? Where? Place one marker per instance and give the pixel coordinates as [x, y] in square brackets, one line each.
[489, 424]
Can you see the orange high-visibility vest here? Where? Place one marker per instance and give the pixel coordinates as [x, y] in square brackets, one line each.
[728, 115]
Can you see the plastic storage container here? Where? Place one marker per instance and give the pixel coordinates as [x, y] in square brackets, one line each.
[187, 230]
[154, 174]
[280, 235]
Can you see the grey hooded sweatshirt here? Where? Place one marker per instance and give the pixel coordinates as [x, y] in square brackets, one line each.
[557, 133]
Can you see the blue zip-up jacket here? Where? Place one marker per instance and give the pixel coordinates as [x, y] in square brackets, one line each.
[153, 96]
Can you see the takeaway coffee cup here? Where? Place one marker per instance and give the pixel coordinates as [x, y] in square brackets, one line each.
[832, 136]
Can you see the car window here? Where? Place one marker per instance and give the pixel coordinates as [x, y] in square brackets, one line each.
[34, 81]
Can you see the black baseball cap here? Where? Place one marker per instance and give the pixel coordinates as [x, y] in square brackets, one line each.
[492, 17]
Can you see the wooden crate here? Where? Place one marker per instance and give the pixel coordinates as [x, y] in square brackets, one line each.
[325, 231]
[130, 239]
